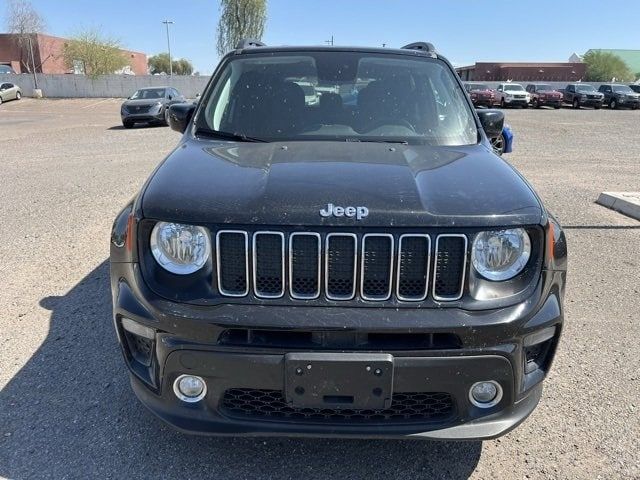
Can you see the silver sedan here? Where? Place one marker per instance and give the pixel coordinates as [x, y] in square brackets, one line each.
[9, 91]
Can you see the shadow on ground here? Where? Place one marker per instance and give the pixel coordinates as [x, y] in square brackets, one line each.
[138, 125]
[70, 413]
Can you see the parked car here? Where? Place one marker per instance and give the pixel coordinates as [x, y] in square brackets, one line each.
[9, 91]
[582, 95]
[149, 105]
[481, 95]
[6, 69]
[366, 271]
[635, 87]
[512, 94]
[619, 96]
[503, 143]
[543, 94]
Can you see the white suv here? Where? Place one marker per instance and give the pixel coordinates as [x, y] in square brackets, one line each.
[510, 94]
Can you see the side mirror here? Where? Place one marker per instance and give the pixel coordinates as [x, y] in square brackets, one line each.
[180, 115]
[492, 122]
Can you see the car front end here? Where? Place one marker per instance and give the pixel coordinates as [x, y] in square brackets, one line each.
[142, 111]
[314, 281]
[516, 98]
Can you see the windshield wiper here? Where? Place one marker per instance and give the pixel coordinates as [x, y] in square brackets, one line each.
[238, 137]
[371, 140]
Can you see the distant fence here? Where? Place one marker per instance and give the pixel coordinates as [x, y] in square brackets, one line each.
[106, 86]
[122, 86]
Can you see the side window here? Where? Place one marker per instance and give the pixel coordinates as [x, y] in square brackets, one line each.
[4, 86]
[571, 88]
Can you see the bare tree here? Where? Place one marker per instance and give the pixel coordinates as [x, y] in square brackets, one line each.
[240, 19]
[24, 21]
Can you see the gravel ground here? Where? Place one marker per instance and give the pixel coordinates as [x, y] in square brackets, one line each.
[66, 409]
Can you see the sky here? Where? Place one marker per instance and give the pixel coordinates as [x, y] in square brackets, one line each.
[465, 31]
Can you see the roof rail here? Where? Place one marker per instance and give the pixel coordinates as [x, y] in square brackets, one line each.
[248, 43]
[422, 46]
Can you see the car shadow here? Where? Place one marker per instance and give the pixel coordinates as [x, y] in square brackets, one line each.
[137, 125]
[70, 412]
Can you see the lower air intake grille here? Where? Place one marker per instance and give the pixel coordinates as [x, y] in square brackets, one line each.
[451, 256]
[270, 405]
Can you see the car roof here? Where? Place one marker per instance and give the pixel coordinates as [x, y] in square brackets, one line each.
[324, 48]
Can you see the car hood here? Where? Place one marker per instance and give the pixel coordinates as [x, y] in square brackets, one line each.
[143, 102]
[288, 184]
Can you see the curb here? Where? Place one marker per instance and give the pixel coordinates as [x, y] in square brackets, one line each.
[627, 203]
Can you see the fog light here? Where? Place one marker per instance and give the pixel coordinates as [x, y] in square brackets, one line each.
[189, 388]
[485, 394]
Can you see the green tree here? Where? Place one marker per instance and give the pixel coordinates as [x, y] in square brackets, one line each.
[605, 66]
[160, 64]
[240, 19]
[94, 53]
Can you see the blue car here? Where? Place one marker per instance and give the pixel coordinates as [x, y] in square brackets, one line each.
[503, 143]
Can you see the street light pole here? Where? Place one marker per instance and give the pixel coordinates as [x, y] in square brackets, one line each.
[167, 23]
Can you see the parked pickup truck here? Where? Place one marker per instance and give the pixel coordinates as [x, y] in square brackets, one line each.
[481, 94]
[543, 94]
[583, 95]
[617, 96]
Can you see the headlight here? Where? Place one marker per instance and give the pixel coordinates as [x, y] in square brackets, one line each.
[180, 249]
[502, 254]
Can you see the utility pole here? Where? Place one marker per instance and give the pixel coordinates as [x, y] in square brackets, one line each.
[33, 64]
[167, 23]
[329, 42]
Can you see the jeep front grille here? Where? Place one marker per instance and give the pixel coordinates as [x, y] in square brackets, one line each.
[340, 266]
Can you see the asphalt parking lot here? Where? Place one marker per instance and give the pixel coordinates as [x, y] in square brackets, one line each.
[66, 409]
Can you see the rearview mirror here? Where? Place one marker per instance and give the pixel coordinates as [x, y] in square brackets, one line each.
[180, 115]
[492, 122]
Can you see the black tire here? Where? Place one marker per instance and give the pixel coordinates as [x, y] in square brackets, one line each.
[18, 95]
[0, 100]
[525, 106]
[166, 117]
[597, 107]
[127, 124]
[557, 107]
[502, 104]
[613, 105]
[576, 104]
[536, 103]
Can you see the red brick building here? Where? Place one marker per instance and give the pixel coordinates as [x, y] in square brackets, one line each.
[503, 71]
[48, 58]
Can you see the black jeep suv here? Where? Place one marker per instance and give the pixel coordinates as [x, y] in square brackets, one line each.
[357, 265]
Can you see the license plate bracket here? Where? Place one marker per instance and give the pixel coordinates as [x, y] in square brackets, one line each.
[339, 380]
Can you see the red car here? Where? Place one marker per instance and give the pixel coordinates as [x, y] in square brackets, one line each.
[543, 94]
[481, 94]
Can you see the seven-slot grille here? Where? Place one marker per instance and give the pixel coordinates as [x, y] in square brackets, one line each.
[341, 266]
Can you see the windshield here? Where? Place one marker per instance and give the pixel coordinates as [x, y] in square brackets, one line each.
[344, 96]
[622, 89]
[510, 87]
[148, 93]
[478, 86]
[585, 88]
[543, 87]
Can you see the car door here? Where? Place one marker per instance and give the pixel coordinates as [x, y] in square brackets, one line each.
[12, 91]
[499, 92]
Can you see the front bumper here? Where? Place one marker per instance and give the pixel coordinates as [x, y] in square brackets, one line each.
[591, 102]
[493, 345]
[152, 116]
[516, 101]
